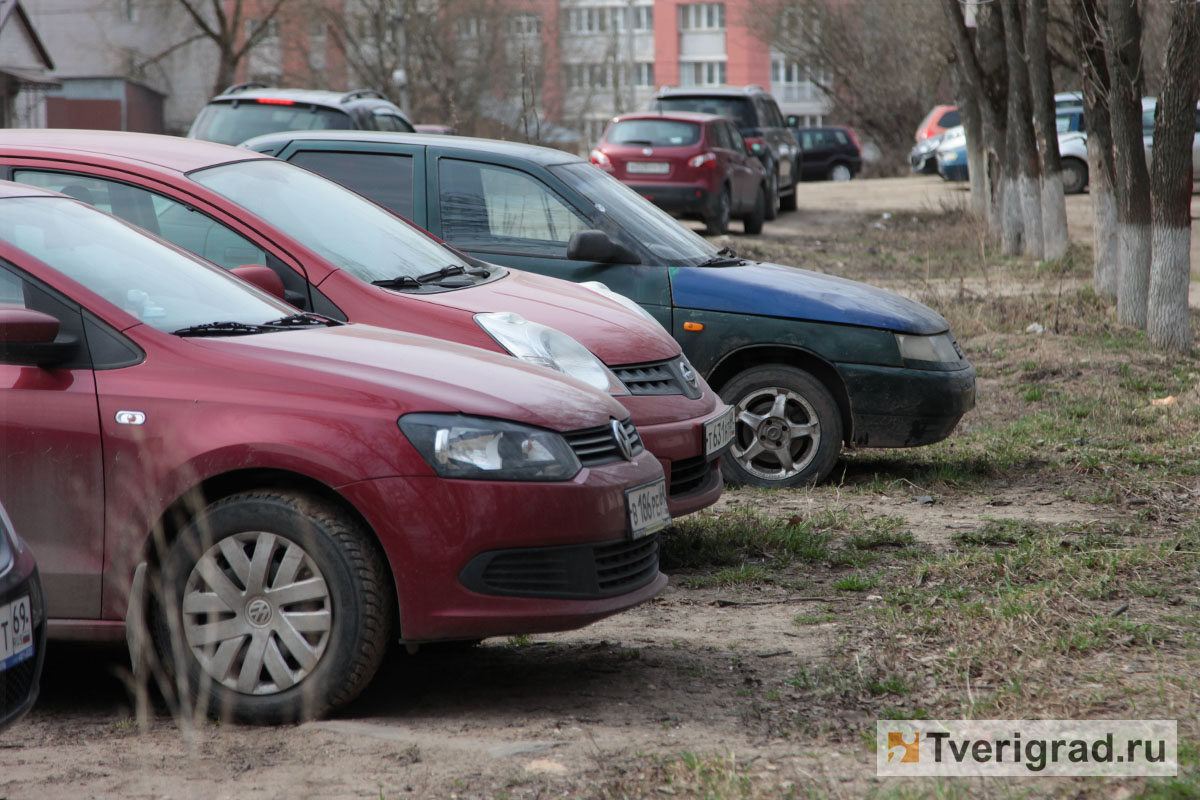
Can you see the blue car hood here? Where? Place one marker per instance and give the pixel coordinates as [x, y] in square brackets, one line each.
[773, 290]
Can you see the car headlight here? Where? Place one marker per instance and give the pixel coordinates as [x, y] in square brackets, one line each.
[547, 347]
[617, 297]
[477, 448]
[928, 348]
[949, 157]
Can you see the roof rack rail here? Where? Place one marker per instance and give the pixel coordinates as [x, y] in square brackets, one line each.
[241, 87]
[357, 93]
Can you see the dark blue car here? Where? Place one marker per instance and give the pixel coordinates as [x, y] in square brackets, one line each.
[811, 362]
[22, 625]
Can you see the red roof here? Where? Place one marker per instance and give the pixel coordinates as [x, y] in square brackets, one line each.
[168, 152]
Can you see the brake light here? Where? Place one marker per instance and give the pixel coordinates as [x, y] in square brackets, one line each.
[274, 101]
[755, 140]
[706, 160]
[600, 159]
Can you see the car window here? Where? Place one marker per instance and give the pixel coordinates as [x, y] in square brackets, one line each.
[737, 109]
[387, 121]
[386, 178]
[653, 133]
[721, 136]
[160, 215]
[234, 123]
[486, 206]
[157, 284]
[1148, 122]
[807, 140]
[735, 138]
[776, 119]
[950, 119]
[841, 137]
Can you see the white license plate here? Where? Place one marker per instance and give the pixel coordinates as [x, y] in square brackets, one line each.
[718, 432]
[16, 632]
[647, 506]
[648, 167]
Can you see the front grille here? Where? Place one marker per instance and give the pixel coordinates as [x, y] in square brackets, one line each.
[658, 378]
[688, 474]
[598, 446]
[572, 571]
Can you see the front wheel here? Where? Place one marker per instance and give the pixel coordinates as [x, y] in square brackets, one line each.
[277, 608]
[754, 222]
[717, 221]
[788, 429]
[1074, 175]
[840, 173]
[772, 192]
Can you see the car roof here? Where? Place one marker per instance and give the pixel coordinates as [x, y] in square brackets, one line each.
[709, 91]
[8, 189]
[545, 156]
[169, 152]
[682, 116]
[313, 96]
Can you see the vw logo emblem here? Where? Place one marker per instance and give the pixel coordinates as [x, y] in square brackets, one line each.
[625, 440]
[258, 612]
[647, 151]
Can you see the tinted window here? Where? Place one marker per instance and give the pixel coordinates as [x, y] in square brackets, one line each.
[155, 283]
[385, 178]
[737, 109]
[720, 136]
[653, 133]
[773, 115]
[841, 137]
[485, 206]
[735, 139]
[950, 119]
[234, 123]
[160, 215]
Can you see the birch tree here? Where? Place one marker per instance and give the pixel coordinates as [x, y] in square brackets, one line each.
[1022, 222]
[1041, 84]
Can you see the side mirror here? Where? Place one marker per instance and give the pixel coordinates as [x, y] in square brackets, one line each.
[757, 149]
[599, 247]
[28, 337]
[264, 278]
[793, 121]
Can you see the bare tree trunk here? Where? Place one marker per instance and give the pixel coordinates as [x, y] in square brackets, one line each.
[1171, 184]
[1124, 56]
[1087, 19]
[972, 120]
[1054, 203]
[1021, 152]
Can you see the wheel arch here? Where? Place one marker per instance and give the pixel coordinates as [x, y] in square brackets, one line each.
[744, 358]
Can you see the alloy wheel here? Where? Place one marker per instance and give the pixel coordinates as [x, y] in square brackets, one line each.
[777, 433]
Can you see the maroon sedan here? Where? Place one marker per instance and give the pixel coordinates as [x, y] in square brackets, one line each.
[692, 165]
[293, 493]
[333, 252]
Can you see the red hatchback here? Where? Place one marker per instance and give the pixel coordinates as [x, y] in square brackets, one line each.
[691, 165]
[341, 255]
[292, 493]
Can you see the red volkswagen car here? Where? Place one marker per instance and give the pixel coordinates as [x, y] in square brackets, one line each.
[291, 492]
[689, 164]
[338, 254]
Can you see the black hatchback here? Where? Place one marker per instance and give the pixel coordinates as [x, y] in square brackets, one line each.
[22, 625]
[828, 153]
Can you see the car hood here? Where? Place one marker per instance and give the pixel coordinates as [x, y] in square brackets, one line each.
[409, 373]
[773, 290]
[614, 333]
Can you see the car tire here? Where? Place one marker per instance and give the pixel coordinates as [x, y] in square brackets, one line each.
[780, 409]
[1074, 176]
[278, 607]
[772, 193]
[789, 201]
[840, 173]
[754, 222]
[717, 222]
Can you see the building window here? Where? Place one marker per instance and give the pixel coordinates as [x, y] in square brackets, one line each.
[644, 74]
[471, 28]
[270, 32]
[702, 73]
[643, 18]
[702, 17]
[129, 10]
[525, 24]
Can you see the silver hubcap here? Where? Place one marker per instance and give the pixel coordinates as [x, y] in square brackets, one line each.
[841, 173]
[257, 613]
[777, 433]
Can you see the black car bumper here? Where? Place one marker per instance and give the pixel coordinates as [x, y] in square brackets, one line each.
[902, 407]
[21, 673]
[677, 199]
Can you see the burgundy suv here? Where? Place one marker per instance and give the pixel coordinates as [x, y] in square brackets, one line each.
[334, 252]
[692, 165]
[291, 493]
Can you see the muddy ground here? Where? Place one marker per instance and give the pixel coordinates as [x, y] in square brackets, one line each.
[742, 679]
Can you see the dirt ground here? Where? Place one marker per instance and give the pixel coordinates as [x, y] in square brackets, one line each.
[698, 692]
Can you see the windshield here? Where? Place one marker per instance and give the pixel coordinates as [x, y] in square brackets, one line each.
[635, 218]
[346, 229]
[162, 287]
[234, 123]
[737, 109]
[653, 133]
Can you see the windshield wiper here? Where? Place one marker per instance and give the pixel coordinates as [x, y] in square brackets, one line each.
[725, 257]
[450, 270]
[303, 319]
[224, 329]
[400, 282]
[645, 142]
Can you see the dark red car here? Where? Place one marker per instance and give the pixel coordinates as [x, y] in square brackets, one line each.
[690, 164]
[291, 493]
[341, 255]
